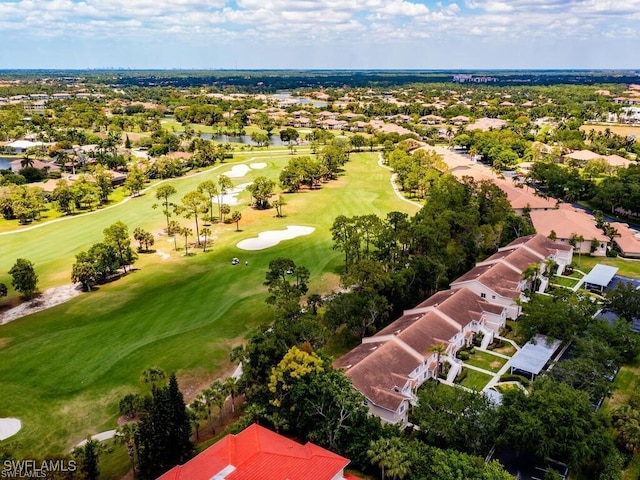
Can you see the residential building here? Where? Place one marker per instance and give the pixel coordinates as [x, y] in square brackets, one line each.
[388, 367]
[525, 198]
[567, 223]
[626, 241]
[259, 453]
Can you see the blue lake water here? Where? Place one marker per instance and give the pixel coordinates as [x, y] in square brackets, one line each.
[5, 162]
[300, 100]
[244, 139]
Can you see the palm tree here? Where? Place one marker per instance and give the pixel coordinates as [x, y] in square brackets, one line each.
[530, 274]
[208, 398]
[220, 395]
[26, 161]
[206, 233]
[152, 375]
[576, 242]
[231, 388]
[186, 231]
[197, 409]
[549, 266]
[236, 216]
[125, 435]
[626, 420]
[439, 349]
[387, 454]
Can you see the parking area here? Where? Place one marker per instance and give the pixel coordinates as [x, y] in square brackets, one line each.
[620, 279]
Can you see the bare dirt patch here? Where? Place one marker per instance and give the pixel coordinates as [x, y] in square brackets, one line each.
[47, 299]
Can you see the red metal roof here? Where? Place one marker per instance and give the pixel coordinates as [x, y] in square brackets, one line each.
[257, 453]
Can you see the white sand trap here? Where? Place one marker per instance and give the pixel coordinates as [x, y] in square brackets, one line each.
[50, 297]
[258, 166]
[237, 171]
[9, 427]
[230, 197]
[271, 238]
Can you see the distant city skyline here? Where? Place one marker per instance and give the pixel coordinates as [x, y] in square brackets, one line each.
[320, 34]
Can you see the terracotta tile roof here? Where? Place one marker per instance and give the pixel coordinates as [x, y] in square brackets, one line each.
[358, 354]
[497, 277]
[583, 155]
[618, 161]
[628, 240]
[525, 197]
[380, 373]
[520, 258]
[539, 243]
[486, 124]
[386, 360]
[428, 331]
[462, 305]
[566, 221]
[257, 453]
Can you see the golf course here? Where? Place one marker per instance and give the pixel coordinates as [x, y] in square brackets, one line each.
[64, 369]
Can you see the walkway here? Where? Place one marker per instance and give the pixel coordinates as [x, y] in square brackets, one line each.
[100, 437]
[495, 376]
[394, 185]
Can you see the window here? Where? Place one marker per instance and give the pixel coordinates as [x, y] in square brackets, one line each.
[401, 408]
[493, 297]
[483, 295]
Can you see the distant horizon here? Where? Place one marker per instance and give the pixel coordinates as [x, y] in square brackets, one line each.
[418, 70]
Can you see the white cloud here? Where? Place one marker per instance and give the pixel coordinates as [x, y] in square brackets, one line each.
[331, 23]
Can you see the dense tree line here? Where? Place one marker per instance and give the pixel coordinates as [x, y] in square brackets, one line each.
[407, 259]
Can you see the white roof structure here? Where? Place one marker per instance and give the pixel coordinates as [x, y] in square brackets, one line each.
[23, 144]
[600, 276]
[534, 355]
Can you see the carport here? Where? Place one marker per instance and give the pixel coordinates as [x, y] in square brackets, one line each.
[532, 358]
[600, 277]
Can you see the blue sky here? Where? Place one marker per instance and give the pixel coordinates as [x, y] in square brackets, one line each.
[344, 34]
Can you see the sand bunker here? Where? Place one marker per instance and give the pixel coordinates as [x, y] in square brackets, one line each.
[51, 297]
[237, 171]
[9, 427]
[258, 166]
[271, 238]
[230, 197]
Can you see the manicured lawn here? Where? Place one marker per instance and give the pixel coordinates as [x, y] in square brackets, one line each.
[564, 281]
[474, 380]
[63, 370]
[486, 361]
[627, 268]
[626, 383]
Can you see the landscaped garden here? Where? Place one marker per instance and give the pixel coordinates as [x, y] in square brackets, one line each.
[564, 281]
[472, 379]
[485, 360]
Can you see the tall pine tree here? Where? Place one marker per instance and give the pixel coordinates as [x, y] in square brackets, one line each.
[163, 433]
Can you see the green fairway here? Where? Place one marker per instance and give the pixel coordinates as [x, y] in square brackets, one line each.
[63, 370]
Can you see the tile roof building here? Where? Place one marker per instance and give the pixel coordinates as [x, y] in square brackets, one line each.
[627, 241]
[257, 453]
[389, 366]
[568, 221]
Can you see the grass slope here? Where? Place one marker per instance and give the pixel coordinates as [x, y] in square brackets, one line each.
[63, 370]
